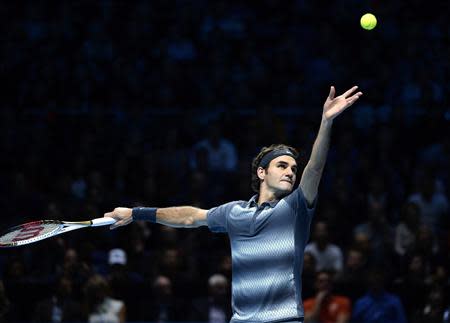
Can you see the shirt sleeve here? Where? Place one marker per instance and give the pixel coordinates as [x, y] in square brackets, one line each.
[217, 217]
[297, 201]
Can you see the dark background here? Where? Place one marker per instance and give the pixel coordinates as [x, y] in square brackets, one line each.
[103, 104]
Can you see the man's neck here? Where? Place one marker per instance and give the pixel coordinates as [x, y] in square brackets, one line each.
[266, 196]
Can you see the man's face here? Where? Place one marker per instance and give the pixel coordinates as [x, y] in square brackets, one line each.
[354, 259]
[323, 282]
[321, 231]
[279, 177]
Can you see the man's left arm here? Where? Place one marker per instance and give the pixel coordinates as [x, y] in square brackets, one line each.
[312, 173]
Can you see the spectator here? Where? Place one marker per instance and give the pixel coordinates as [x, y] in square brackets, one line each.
[377, 194]
[327, 255]
[434, 311]
[308, 275]
[99, 306]
[163, 306]
[325, 306]
[350, 282]
[411, 287]
[378, 305]
[78, 271]
[225, 266]
[433, 204]
[380, 234]
[173, 264]
[60, 307]
[124, 285]
[216, 307]
[426, 244]
[214, 153]
[406, 230]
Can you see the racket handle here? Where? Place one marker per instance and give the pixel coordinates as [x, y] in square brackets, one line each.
[102, 221]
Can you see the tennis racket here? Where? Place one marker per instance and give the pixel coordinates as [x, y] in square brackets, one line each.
[39, 230]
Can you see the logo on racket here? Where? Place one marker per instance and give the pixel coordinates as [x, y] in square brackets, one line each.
[29, 230]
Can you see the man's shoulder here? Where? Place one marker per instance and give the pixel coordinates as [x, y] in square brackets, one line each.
[240, 203]
[334, 248]
[228, 206]
[294, 197]
[311, 247]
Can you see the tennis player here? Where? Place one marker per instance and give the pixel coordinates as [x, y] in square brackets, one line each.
[269, 232]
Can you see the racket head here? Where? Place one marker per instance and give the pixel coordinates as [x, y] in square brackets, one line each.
[30, 232]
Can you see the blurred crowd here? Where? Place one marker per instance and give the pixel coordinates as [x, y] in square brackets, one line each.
[163, 103]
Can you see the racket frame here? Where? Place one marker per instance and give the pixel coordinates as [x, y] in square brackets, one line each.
[62, 227]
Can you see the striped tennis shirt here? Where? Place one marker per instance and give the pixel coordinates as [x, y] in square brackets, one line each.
[267, 244]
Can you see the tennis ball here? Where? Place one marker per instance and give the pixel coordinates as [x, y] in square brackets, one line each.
[368, 21]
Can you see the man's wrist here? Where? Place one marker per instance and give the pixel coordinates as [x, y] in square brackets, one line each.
[327, 122]
[144, 214]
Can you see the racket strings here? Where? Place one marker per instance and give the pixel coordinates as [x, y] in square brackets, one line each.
[30, 233]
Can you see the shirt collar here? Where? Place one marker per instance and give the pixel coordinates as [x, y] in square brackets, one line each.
[254, 202]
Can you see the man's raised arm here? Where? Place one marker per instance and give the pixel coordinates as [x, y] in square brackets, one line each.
[177, 217]
[312, 173]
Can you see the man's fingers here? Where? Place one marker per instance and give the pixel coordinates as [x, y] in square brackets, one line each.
[116, 225]
[353, 99]
[332, 93]
[348, 92]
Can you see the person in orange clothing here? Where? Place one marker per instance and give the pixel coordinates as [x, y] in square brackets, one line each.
[326, 307]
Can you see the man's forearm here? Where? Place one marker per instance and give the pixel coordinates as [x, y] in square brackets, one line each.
[312, 173]
[181, 216]
[321, 146]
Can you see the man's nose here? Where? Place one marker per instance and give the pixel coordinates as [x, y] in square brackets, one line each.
[289, 173]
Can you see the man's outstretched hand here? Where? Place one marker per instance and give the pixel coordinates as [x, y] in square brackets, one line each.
[122, 215]
[334, 106]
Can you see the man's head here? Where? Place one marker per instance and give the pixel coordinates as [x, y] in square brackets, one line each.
[324, 281]
[162, 286]
[96, 289]
[162, 289]
[218, 287]
[275, 169]
[355, 259]
[321, 236]
[117, 257]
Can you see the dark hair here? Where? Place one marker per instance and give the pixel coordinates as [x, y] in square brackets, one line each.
[95, 289]
[264, 151]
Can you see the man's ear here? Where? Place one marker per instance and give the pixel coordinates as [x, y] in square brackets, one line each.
[261, 172]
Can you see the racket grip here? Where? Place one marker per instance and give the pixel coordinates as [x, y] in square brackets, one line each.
[102, 221]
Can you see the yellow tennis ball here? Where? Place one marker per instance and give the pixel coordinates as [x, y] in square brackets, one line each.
[368, 21]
